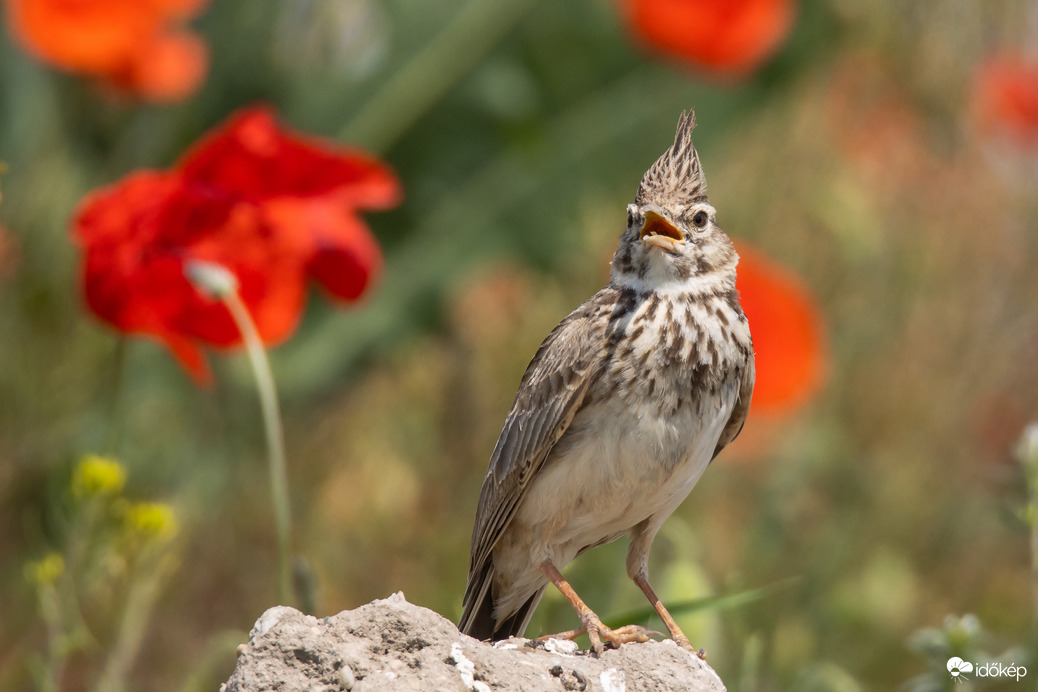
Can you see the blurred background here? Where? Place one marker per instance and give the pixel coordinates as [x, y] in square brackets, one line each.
[878, 161]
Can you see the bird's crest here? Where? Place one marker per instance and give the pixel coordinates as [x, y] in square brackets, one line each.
[676, 179]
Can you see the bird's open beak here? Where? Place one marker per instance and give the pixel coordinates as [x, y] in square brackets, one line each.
[660, 232]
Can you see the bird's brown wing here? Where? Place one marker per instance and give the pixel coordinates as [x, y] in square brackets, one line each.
[550, 394]
[742, 407]
[552, 391]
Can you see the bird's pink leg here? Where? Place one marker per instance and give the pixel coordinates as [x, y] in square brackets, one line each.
[668, 620]
[596, 630]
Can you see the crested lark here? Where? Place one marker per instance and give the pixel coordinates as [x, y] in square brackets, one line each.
[623, 407]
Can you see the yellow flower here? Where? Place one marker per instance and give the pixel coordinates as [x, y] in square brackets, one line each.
[45, 571]
[98, 475]
[153, 520]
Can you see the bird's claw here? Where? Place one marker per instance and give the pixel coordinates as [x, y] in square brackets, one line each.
[602, 636]
[685, 644]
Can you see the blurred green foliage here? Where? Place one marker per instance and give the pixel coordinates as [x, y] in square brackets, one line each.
[520, 131]
[97, 589]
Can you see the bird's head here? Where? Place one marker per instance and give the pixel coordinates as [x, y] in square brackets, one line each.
[672, 239]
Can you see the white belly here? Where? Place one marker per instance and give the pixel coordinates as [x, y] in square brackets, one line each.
[601, 481]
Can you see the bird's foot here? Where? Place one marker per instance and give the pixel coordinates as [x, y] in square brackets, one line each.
[682, 641]
[596, 630]
[602, 636]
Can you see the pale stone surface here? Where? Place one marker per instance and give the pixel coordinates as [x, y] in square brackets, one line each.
[393, 645]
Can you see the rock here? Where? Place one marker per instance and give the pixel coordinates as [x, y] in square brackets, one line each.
[393, 645]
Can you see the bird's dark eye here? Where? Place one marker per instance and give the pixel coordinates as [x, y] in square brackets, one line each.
[699, 219]
[630, 216]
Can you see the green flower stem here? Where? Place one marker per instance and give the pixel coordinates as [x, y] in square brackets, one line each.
[1027, 453]
[1032, 518]
[275, 439]
[1032, 511]
[57, 644]
[425, 77]
[113, 438]
[140, 601]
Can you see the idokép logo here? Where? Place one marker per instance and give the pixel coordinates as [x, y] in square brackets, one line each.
[960, 670]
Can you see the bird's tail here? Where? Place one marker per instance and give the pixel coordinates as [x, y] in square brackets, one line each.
[477, 618]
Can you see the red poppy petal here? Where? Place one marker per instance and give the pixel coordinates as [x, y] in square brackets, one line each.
[731, 37]
[177, 8]
[167, 68]
[82, 35]
[275, 304]
[125, 211]
[339, 250]
[125, 296]
[132, 274]
[114, 226]
[788, 342]
[1006, 99]
[190, 358]
[274, 300]
[251, 157]
[270, 279]
[343, 272]
[107, 294]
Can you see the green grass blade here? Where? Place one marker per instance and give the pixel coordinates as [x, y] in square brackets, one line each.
[723, 602]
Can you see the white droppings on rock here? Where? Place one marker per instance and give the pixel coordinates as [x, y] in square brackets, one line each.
[467, 670]
[613, 680]
[563, 647]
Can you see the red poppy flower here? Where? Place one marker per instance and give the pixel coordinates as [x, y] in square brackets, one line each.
[1006, 100]
[139, 234]
[170, 67]
[786, 324]
[132, 44]
[723, 37]
[301, 182]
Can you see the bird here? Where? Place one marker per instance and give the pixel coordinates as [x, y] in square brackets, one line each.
[624, 405]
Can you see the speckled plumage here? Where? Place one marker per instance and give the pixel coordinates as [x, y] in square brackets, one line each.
[622, 408]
